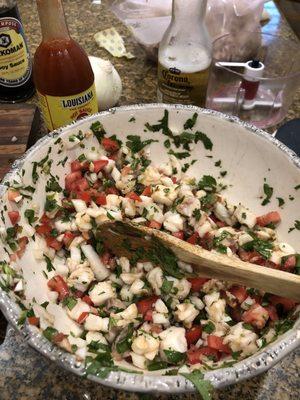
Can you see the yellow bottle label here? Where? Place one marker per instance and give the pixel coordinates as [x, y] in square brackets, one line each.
[59, 111]
[175, 86]
[15, 63]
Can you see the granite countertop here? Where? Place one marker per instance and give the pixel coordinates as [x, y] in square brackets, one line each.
[25, 374]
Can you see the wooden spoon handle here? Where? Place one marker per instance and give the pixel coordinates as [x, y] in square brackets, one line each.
[213, 265]
[125, 239]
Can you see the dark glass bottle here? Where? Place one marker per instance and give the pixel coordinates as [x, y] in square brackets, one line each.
[16, 82]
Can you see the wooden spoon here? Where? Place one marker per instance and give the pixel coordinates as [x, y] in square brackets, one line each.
[138, 242]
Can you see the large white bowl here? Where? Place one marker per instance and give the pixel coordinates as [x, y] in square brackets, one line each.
[249, 156]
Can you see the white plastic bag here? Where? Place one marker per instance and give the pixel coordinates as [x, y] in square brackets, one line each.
[148, 19]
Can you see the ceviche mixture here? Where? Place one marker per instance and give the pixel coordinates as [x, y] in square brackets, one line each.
[148, 316]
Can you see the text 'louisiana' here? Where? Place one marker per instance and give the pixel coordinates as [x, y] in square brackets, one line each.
[78, 101]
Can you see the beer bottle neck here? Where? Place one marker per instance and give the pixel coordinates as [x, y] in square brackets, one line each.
[52, 19]
[188, 10]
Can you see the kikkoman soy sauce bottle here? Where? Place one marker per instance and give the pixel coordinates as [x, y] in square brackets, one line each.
[62, 72]
[184, 55]
[16, 82]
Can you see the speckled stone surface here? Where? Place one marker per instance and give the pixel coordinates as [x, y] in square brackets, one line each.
[24, 373]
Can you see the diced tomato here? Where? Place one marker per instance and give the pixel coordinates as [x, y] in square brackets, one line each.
[133, 196]
[195, 355]
[147, 191]
[59, 337]
[82, 317]
[33, 321]
[154, 224]
[58, 284]
[148, 316]
[110, 145]
[81, 185]
[85, 196]
[174, 179]
[45, 219]
[99, 165]
[100, 199]
[12, 194]
[78, 294]
[256, 316]
[197, 283]
[112, 190]
[54, 243]
[239, 292]
[146, 304]
[79, 166]
[68, 238]
[206, 241]
[178, 235]
[290, 263]
[216, 342]
[43, 230]
[287, 304]
[14, 217]
[266, 219]
[72, 178]
[251, 256]
[87, 300]
[194, 238]
[193, 335]
[272, 312]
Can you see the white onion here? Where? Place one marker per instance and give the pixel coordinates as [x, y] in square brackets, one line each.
[107, 81]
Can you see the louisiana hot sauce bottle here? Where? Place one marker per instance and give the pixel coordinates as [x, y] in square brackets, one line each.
[62, 72]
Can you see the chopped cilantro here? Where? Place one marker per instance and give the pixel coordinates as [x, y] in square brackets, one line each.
[29, 214]
[263, 247]
[124, 344]
[49, 333]
[203, 386]
[190, 123]
[34, 173]
[218, 163]
[202, 137]
[167, 286]
[207, 183]
[157, 365]
[132, 119]
[280, 201]
[135, 144]
[51, 204]
[268, 191]
[223, 173]
[70, 302]
[209, 327]
[52, 185]
[163, 124]
[167, 144]
[50, 266]
[174, 357]
[297, 187]
[179, 155]
[63, 162]
[197, 214]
